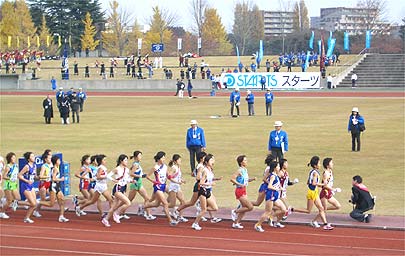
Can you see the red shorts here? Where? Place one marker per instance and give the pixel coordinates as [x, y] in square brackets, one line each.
[84, 184]
[326, 193]
[44, 184]
[239, 192]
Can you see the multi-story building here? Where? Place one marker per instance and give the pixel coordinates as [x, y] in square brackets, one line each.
[277, 23]
[352, 20]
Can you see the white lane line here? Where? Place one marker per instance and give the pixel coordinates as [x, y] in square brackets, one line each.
[147, 245]
[210, 238]
[55, 250]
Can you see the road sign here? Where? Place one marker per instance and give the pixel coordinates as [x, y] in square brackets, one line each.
[158, 47]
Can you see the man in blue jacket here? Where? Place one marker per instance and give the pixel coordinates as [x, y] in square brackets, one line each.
[278, 141]
[234, 100]
[82, 96]
[195, 142]
[269, 97]
[355, 127]
[250, 98]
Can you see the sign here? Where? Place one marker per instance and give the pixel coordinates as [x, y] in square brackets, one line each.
[158, 47]
[139, 43]
[179, 41]
[199, 43]
[275, 80]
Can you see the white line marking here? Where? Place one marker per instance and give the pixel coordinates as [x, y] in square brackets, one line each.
[56, 250]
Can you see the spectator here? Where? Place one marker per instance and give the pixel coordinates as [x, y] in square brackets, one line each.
[75, 68]
[289, 64]
[48, 109]
[362, 200]
[195, 142]
[278, 141]
[128, 65]
[267, 65]
[179, 84]
[64, 109]
[75, 106]
[59, 97]
[82, 96]
[263, 82]
[189, 88]
[354, 80]
[250, 98]
[112, 71]
[53, 83]
[234, 100]
[182, 74]
[253, 67]
[355, 127]
[329, 81]
[70, 92]
[269, 97]
[87, 71]
[240, 67]
[102, 71]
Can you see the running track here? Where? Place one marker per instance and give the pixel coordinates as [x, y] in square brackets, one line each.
[87, 236]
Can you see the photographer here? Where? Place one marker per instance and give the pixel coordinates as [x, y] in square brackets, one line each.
[356, 126]
[362, 200]
[234, 100]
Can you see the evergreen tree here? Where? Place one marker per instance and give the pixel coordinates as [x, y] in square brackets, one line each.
[87, 38]
[45, 36]
[215, 41]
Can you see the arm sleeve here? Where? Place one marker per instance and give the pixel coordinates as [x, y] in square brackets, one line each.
[187, 140]
[286, 142]
[269, 146]
[361, 120]
[355, 196]
[203, 139]
[348, 126]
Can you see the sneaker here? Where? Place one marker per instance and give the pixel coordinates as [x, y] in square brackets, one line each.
[284, 217]
[216, 220]
[141, 210]
[328, 227]
[75, 201]
[3, 215]
[149, 217]
[66, 209]
[83, 213]
[28, 220]
[270, 222]
[368, 218]
[14, 205]
[237, 226]
[36, 214]
[259, 228]
[234, 215]
[314, 224]
[125, 217]
[105, 222]
[182, 219]
[195, 226]
[176, 213]
[173, 223]
[116, 218]
[203, 219]
[63, 219]
[78, 211]
[278, 225]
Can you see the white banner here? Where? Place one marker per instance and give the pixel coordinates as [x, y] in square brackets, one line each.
[179, 41]
[199, 43]
[139, 43]
[274, 80]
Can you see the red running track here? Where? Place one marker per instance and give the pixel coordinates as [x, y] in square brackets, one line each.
[86, 235]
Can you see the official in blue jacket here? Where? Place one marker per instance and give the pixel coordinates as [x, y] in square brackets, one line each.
[234, 100]
[269, 97]
[278, 141]
[82, 96]
[355, 127]
[195, 142]
[250, 98]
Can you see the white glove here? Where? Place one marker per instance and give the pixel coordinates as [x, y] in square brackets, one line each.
[337, 190]
[295, 181]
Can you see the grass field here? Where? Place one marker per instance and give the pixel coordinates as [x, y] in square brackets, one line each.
[51, 68]
[316, 126]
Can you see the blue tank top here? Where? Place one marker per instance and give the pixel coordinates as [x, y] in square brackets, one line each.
[93, 171]
[30, 175]
[243, 178]
[310, 179]
[276, 182]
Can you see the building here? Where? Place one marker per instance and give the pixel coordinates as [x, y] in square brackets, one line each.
[352, 20]
[278, 23]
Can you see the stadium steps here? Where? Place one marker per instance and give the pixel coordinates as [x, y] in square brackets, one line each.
[378, 70]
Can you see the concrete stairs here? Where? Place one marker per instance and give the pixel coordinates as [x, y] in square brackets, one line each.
[378, 70]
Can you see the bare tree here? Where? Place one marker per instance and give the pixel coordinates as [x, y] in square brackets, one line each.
[375, 11]
[197, 10]
[284, 7]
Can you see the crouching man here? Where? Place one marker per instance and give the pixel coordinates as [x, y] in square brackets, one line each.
[362, 200]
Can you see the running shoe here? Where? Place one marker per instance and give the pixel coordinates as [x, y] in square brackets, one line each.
[195, 226]
[63, 219]
[175, 213]
[28, 220]
[14, 205]
[173, 223]
[259, 228]
[149, 217]
[203, 219]
[36, 214]
[284, 218]
[116, 218]
[105, 223]
[182, 219]
[328, 227]
[78, 211]
[237, 226]
[125, 217]
[234, 215]
[278, 225]
[314, 224]
[3, 215]
[83, 213]
[216, 220]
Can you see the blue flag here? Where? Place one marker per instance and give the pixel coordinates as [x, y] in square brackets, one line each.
[368, 39]
[330, 38]
[331, 48]
[237, 54]
[319, 46]
[259, 55]
[346, 44]
[307, 61]
[311, 41]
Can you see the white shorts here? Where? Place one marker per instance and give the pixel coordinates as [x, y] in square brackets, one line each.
[100, 188]
[174, 187]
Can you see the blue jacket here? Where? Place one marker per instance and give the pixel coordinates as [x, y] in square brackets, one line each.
[355, 127]
[195, 137]
[263, 80]
[275, 140]
[82, 95]
[269, 97]
[235, 96]
[250, 98]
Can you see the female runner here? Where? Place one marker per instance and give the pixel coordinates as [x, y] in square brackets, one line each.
[27, 176]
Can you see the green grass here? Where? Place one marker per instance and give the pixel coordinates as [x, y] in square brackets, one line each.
[51, 68]
[316, 126]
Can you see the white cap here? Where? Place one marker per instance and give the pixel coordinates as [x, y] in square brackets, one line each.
[193, 122]
[80, 88]
[355, 109]
[60, 88]
[248, 91]
[278, 123]
[236, 88]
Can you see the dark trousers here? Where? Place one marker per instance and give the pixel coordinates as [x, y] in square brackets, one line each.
[251, 109]
[263, 85]
[75, 113]
[355, 138]
[278, 153]
[233, 105]
[357, 215]
[81, 106]
[194, 150]
[47, 120]
[189, 93]
[268, 109]
[353, 83]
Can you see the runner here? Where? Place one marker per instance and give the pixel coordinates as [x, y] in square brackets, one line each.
[328, 191]
[3, 214]
[285, 182]
[45, 176]
[27, 176]
[262, 189]
[175, 177]
[84, 174]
